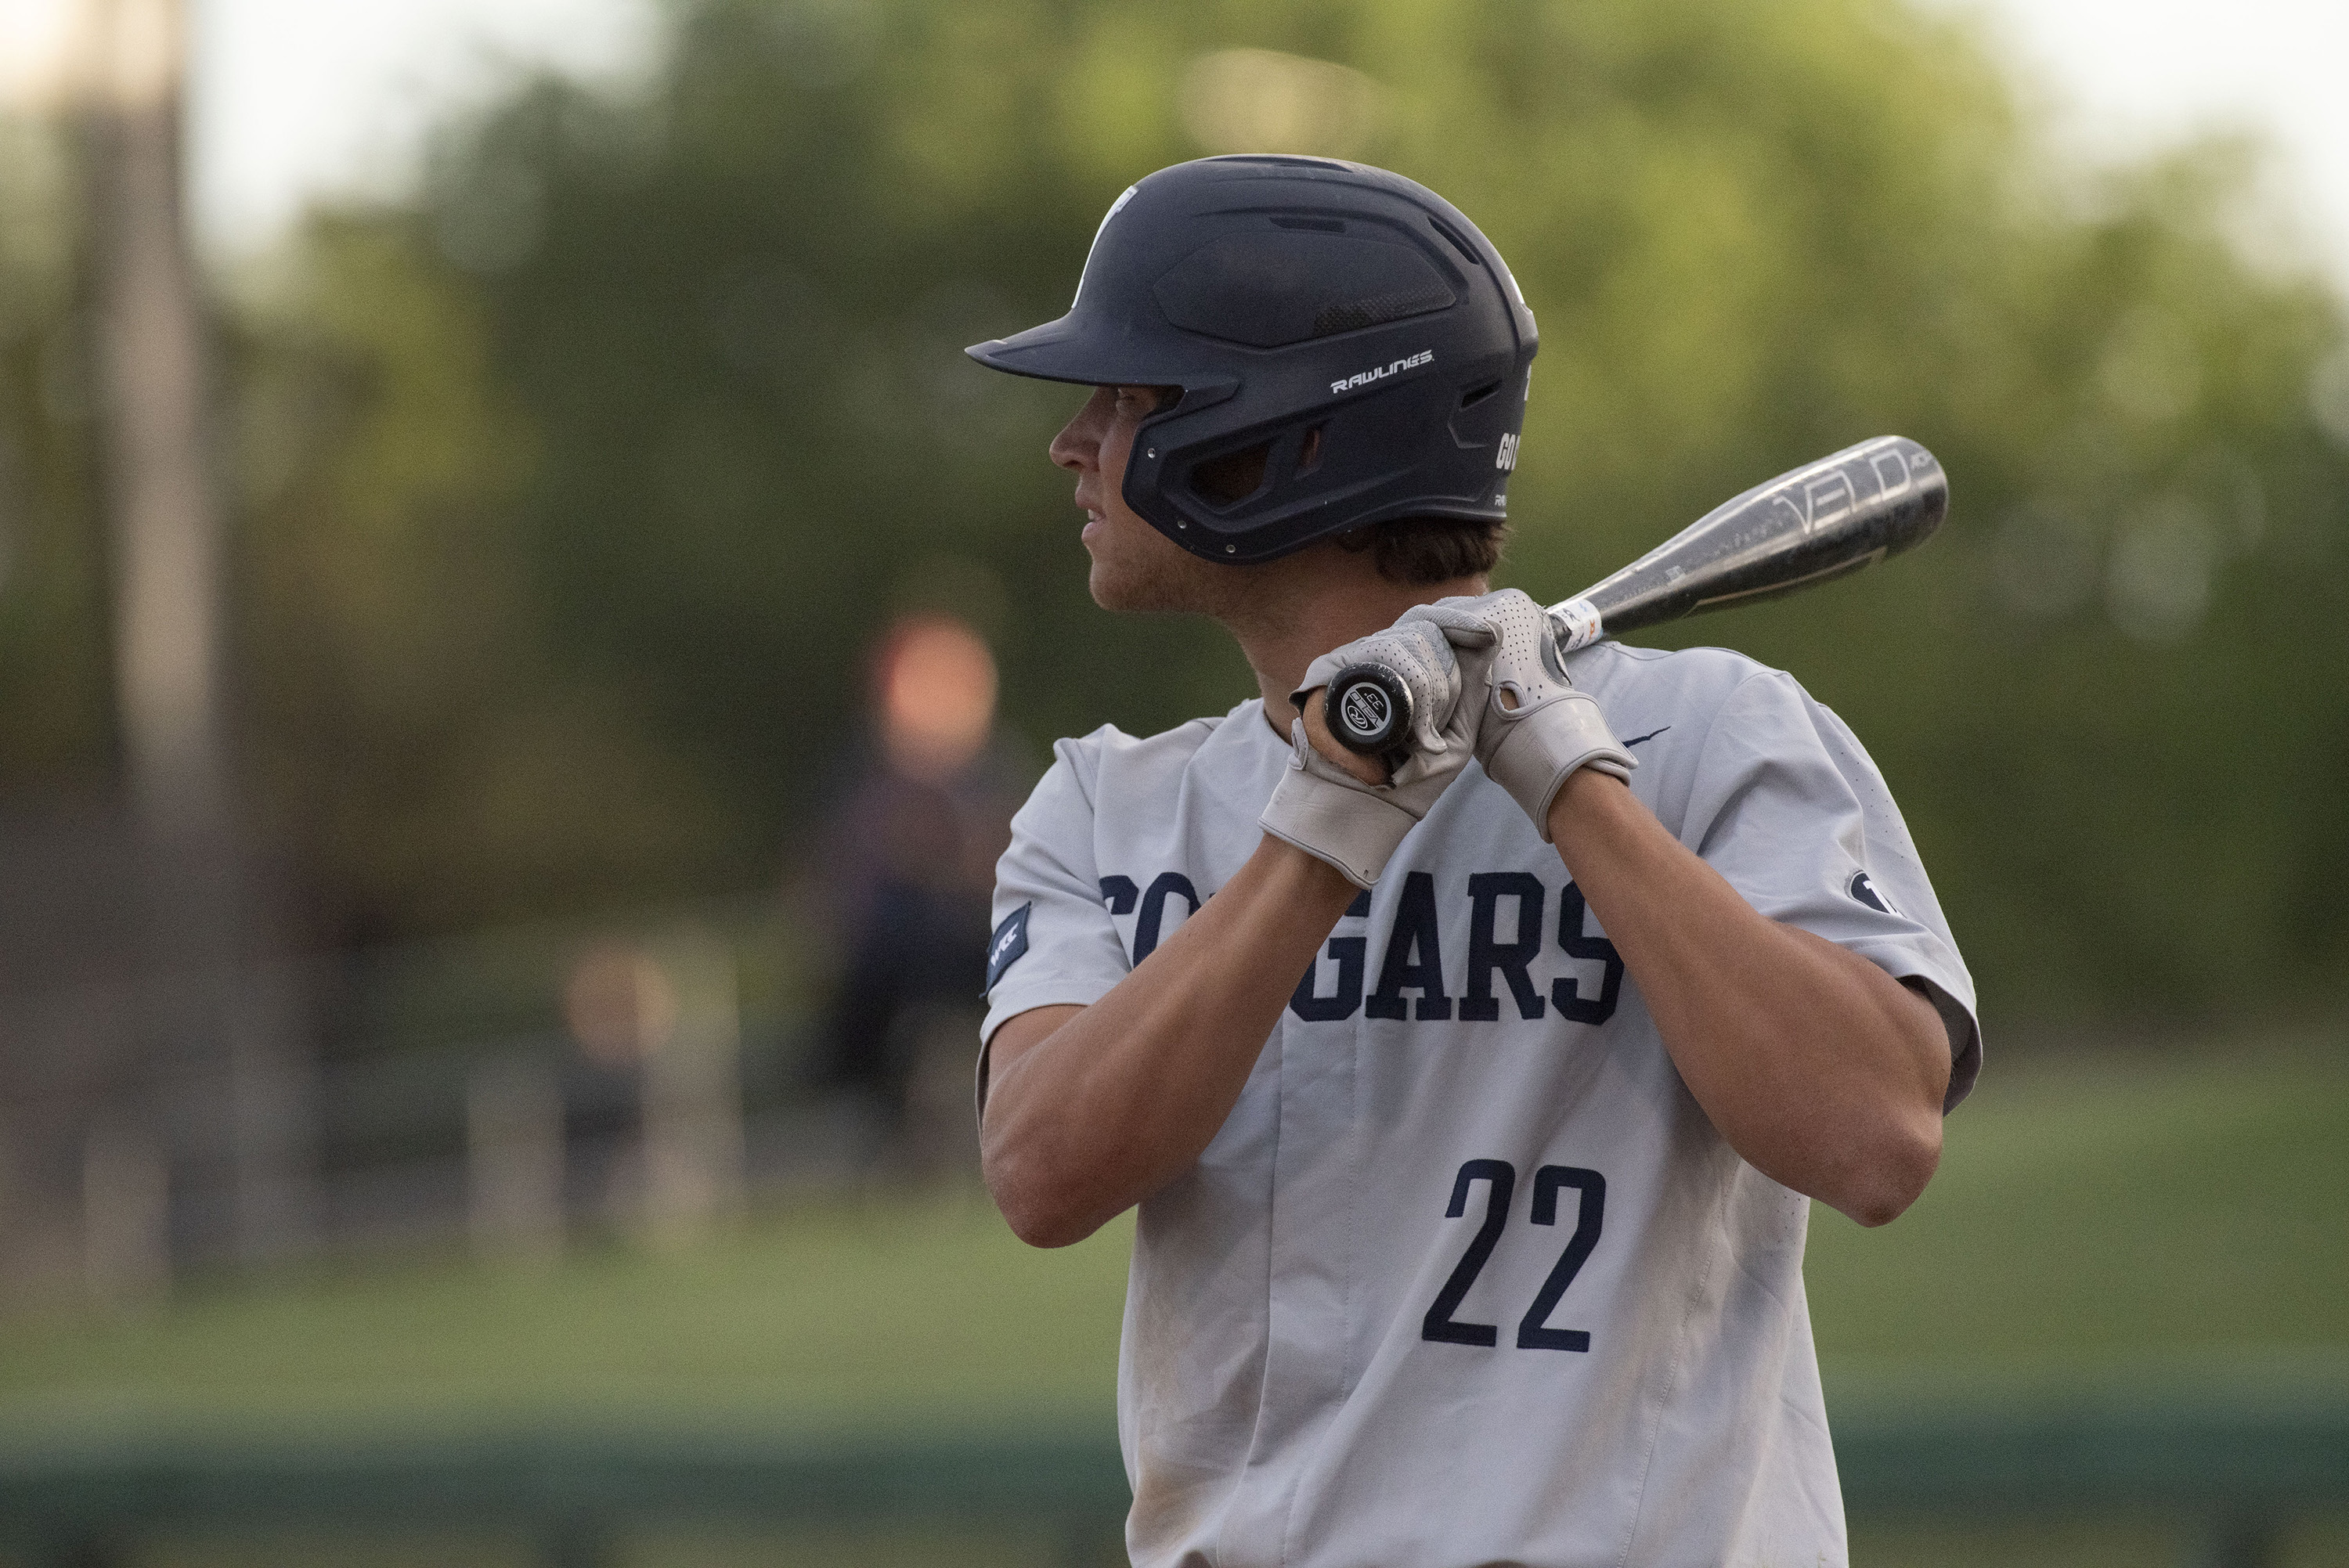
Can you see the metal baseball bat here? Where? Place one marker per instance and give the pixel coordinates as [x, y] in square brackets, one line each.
[1810, 526]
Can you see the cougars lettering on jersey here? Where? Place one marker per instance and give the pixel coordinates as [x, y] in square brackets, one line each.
[1467, 1277]
[1505, 944]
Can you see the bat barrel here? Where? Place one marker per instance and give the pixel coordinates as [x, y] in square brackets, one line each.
[1824, 519]
[1810, 526]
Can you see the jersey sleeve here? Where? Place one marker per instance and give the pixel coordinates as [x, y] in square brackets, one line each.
[1053, 943]
[1791, 809]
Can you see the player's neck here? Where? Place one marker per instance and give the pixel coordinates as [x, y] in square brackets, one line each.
[1326, 602]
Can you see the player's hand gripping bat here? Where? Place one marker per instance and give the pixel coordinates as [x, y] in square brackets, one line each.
[1811, 525]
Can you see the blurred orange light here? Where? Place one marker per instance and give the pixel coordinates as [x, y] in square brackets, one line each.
[937, 683]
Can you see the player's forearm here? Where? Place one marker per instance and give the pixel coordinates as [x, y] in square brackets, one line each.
[1121, 1098]
[1823, 1072]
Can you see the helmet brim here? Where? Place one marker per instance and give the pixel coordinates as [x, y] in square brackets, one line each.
[1065, 350]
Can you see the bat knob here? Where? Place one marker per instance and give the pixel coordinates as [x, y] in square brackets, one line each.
[1368, 707]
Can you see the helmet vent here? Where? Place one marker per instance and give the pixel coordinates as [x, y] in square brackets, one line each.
[1459, 244]
[1378, 309]
[1308, 451]
[1232, 477]
[1471, 399]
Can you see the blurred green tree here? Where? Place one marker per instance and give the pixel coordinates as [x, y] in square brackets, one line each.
[412, 733]
[54, 688]
[577, 486]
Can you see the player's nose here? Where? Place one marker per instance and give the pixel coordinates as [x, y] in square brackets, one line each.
[1078, 446]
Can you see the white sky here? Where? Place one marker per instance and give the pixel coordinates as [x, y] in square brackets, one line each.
[291, 97]
[2142, 73]
[299, 96]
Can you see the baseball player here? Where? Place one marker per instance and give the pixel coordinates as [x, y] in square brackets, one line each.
[1472, 1099]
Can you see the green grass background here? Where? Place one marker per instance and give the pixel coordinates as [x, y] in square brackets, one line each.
[2139, 1216]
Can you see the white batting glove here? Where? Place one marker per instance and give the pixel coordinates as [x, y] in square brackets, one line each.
[1333, 816]
[1536, 728]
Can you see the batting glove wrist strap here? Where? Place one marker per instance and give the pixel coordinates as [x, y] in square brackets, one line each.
[1332, 815]
[1535, 750]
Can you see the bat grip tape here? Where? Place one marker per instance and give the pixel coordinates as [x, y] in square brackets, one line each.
[1578, 623]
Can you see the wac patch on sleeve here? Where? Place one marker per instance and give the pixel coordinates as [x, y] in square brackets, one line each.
[1009, 942]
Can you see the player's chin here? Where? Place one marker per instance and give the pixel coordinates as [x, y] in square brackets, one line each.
[1141, 582]
[1120, 586]
[1136, 568]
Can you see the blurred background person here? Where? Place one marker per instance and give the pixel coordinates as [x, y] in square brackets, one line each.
[908, 862]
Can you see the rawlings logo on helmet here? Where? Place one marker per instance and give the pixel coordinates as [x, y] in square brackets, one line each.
[1364, 378]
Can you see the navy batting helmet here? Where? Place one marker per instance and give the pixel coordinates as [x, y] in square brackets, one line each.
[1349, 348]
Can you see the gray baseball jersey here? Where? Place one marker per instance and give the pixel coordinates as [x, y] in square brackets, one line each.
[1467, 1277]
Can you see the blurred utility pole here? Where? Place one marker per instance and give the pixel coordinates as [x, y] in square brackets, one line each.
[148, 343]
[207, 1016]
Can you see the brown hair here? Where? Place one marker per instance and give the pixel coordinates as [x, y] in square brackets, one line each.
[1423, 551]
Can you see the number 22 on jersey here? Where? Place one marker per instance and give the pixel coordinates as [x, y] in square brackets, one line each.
[1500, 1179]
